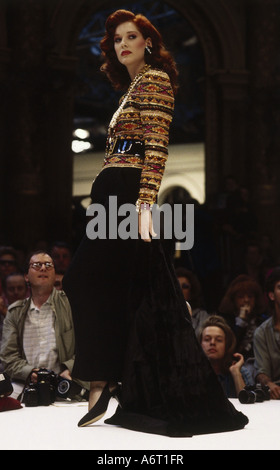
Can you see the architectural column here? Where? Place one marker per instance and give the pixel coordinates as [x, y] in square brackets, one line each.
[227, 119]
[5, 57]
[264, 121]
[38, 127]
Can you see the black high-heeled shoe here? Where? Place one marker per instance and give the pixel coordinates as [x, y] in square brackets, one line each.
[100, 407]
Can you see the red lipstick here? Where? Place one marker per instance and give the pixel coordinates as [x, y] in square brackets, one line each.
[125, 53]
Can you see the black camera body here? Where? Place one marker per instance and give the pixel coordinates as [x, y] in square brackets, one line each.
[254, 393]
[51, 386]
[6, 387]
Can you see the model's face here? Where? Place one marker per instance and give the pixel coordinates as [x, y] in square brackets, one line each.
[130, 45]
[213, 342]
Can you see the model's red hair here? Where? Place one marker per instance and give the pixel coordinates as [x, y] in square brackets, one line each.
[160, 57]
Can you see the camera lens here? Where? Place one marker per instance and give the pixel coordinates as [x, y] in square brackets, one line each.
[247, 396]
[63, 387]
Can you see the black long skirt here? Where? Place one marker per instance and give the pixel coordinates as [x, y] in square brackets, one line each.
[132, 326]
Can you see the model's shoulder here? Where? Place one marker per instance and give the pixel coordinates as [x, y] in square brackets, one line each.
[157, 74]
[157, 81]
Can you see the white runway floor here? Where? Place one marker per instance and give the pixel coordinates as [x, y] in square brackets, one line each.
[55, 428]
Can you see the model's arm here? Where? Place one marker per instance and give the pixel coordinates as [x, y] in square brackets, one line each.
[156, 104]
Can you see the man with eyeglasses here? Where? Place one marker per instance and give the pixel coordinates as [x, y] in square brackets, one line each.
[38, 331]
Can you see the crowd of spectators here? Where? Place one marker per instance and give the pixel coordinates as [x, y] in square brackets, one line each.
[236, 272]
[230, 281]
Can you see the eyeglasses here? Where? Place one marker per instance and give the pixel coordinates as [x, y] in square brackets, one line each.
[38, 265]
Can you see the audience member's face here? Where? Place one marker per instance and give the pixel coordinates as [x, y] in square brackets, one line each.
[61, 257]
[253, 256]
[246, 300]
[58, 281]
[213, 342]
[16, 288]
[7, 265]
[275, 295]
[41, 277]
[186, 288]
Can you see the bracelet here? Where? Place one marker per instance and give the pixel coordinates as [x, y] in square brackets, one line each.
[142, 206]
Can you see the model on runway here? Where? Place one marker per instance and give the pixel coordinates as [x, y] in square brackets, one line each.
[134, 336]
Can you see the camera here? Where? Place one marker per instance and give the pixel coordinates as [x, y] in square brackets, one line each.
[70, 389]
[51, 386]
[6, 387]
[43, 392]
[254, 393]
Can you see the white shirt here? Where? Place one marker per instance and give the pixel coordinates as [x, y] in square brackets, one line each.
[39, 341]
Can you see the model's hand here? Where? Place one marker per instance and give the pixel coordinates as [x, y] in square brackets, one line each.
[145, 225]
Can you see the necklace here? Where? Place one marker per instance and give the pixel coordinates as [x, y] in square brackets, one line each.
[113, 122]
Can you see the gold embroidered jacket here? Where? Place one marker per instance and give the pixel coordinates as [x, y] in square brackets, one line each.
[146, 117]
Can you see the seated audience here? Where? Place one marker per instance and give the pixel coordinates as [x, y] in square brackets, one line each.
[3, 311]
[267, 340]
[254, 263]
[38, 331]
[8, 264]
[15, 288]
[243, 308]
[218, 343]
[192, 293]
[58, 280]
[61, 255]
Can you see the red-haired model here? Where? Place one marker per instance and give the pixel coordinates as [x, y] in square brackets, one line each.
[134, 336]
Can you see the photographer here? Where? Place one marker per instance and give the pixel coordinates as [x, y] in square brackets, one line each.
[38, 331]
[267, 340]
